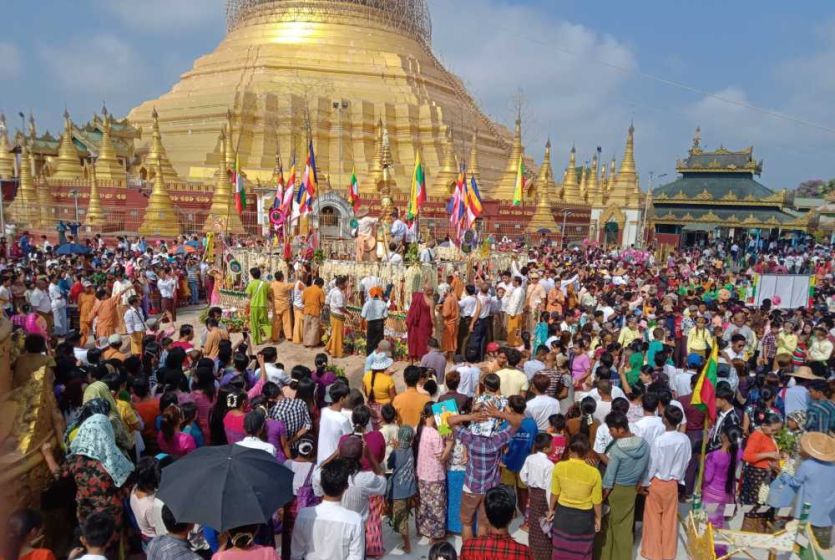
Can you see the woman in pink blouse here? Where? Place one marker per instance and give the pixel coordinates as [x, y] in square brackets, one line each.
[432, 453]
[170, 439]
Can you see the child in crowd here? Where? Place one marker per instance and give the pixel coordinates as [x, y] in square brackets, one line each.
[536, 475]
[389, 430]
[559, 437]
[189, 423]
[403, 484]
[490, 396]
[143, 498]
[302, 466]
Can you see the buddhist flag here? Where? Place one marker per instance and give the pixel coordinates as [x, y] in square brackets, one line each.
[418, 194]
[520, 183]
[354, 190]
[704, 393]
[309, 180]
[474, 205]
[240, 191]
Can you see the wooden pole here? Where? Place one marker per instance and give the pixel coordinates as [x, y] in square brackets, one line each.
[697, 491]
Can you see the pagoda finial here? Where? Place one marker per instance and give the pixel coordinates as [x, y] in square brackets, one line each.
[545, 184]
[24, 207]
[221, 210]
[157, 155]
[627, 166]
[33, 132]
[108, 166]
[593, 192]
[444, 180]
[570, 185]
[68, 166]
[507, 184]
[95, 214]
[386, 158]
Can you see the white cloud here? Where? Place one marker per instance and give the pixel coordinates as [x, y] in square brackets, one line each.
[100, 65]
[498, 48]
[166, 15]
[9, 61]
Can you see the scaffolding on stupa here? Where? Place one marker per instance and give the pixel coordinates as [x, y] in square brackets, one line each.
[405, 16]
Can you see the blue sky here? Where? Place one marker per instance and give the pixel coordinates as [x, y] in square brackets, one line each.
[586, 69]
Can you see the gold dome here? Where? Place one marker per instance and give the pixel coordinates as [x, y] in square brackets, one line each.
[331, 70]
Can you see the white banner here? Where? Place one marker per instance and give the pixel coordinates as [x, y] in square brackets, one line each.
[786, 291]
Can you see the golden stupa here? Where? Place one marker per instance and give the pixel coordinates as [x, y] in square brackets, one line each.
[334, 68]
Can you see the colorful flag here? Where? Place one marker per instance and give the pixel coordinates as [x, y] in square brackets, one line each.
[308, 181]
[456, 206]
[240, 191]
[279, 187]
[704, 393]
[418, 194]
[354, 190]
[520, 183]
[289, 191]
[473, 202]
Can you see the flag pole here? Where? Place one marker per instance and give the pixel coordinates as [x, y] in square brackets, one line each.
[697, 490]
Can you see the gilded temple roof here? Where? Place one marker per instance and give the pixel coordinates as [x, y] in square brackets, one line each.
[707, 187]
[731, 217]
[721, 160]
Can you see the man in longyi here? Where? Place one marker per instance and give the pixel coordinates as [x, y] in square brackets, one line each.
[282, 294]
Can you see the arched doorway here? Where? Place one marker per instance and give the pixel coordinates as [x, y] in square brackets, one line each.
[610, 235]
[334, 215]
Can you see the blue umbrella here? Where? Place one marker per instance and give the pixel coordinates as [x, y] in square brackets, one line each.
[72, 249]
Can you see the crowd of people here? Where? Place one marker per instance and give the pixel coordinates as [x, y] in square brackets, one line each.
[567, 383]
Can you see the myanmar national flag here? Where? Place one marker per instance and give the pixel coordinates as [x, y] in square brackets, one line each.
[418, 194]
[520, 183]
[704, 393]
[240, 191]
[354, 190]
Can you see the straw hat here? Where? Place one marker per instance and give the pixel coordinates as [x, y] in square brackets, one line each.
[818, 445]
[804, 372]
[380, 362]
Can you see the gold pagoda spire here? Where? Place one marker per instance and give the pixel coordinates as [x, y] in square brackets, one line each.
[594, 191]
[584, 182]
[376, 166]
[612, 175]
[45, 204]
[545, 184]
[507, 183]
[386, 160]
[229, 153]
[604, 179]
[543, 217]
[160, 219]
[625, 191]
[472, 165]
[107, 164]
[6, 156]
[444, 180]
[570, 186]
[69, 163]
[156, 153]
[221, 210]
[24, 207]
[33, 131]
[94, 215]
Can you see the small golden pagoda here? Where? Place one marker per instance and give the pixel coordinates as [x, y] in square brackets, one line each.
[108, 166]
[443, 181]
[46, 220]
[68, 164]
[223, 216]
[472, 164]
[584, 183]
[160, 218]
[94, 217]
[507, 184]
[24, 208]
[6, 156]
[570, 187]
[543, 217]
[545, 180]
[594, 190]
[625, 191]
[156, 154]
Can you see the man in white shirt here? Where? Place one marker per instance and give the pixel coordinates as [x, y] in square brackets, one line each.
[427, 254]
[398, 230]
[329, 531]
[514, 310]
[470, 374]
[669, 455]
[6, 295]
[394, 256]
[680, 382]
[541, 407]
[166, 284]
[135, 325]
[650, 426]
[333, 424]
[535, 364]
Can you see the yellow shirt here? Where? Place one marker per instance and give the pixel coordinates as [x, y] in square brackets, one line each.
[786, 343]
[383, 383]
[577, 484]
[513, 382]
[627, 335]
[698, 340]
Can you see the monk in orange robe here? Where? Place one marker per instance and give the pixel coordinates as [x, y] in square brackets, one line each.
[450, 313]
[86, 302]
[105, 312]
[555, 301]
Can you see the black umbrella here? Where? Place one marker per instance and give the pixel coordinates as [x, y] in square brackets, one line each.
[226, 486]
